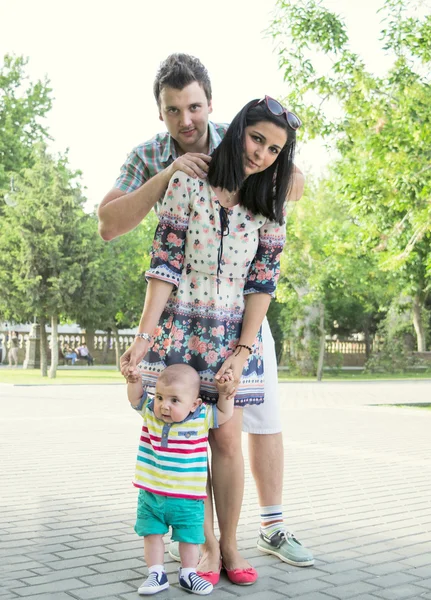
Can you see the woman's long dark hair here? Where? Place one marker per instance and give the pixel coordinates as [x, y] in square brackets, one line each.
[262, 193]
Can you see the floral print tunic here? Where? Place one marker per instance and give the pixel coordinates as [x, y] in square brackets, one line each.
[214, 257]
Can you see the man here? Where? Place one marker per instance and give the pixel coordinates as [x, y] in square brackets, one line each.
[84, 352]
[183, 93]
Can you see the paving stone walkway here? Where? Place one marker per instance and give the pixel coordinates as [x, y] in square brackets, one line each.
[357, 491]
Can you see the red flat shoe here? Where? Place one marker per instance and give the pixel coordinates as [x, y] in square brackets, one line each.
[211, 576]
[242, 576]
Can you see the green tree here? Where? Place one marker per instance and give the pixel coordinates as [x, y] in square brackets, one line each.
[53, 264]
[112, 291]
[380, 126]
[23, 107]
[42, 249]
[333, 277]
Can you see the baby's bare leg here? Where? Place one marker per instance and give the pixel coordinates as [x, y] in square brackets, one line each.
[154, 550]
[189, 554]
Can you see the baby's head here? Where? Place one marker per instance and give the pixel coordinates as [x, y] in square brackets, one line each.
[177, 393]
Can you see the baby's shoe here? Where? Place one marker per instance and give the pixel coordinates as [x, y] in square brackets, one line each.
[195, 584]
[155, 582]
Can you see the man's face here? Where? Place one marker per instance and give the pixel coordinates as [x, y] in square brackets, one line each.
[185, 114]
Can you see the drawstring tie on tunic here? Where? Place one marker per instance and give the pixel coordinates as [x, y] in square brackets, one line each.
[224, 226]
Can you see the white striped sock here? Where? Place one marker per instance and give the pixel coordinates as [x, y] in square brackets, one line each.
[273, 514]
[185, 572]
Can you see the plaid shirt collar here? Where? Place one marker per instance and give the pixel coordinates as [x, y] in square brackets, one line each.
[170, 151]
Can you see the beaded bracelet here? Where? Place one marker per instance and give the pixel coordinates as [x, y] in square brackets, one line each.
[243, 346]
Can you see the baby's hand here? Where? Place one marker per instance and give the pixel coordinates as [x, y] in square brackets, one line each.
[224, 385]
[134, 376]
[227, 376]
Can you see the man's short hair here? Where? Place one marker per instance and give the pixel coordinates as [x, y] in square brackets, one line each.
[179, 70]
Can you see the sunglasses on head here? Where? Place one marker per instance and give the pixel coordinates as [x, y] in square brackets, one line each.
[278, 110]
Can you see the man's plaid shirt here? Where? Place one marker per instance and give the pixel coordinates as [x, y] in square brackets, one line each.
[149, 158]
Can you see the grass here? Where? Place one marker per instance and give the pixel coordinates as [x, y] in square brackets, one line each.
[84, 376]
[356, 376]
[66, 376]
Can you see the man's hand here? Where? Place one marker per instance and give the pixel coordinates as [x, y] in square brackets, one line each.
[133, 356]
[192, 164]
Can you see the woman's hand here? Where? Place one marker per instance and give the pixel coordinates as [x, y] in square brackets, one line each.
[235, 363]
[133, 356]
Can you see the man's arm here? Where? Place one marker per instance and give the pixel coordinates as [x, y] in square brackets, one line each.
[120, 212]
[297, 189]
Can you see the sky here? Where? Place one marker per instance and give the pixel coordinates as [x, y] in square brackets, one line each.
[101, 58]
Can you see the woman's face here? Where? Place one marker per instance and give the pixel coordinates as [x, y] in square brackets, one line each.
[263, 143]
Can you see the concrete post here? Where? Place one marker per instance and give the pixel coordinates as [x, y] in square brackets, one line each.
[32, 350]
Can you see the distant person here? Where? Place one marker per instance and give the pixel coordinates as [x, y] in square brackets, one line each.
[171, 469]
[69, 353]
[13, 348]
[83, 352]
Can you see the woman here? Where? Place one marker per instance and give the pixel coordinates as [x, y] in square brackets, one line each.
[69, 354]
[13, 348]
[214, 268]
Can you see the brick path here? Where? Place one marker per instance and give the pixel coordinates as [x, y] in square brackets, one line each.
[357, 491]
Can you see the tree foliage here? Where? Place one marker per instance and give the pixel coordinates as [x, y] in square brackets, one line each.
[113, 284]
[23, 107]
[379, 125]
[53, 263]
[42, 235]
[324, 264]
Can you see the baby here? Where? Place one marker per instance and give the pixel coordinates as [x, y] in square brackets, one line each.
[171, 469]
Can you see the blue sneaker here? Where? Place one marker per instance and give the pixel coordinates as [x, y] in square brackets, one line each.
[195, 584]
[286, 547]
[153, 584]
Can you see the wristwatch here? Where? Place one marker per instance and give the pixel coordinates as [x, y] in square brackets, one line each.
[144, 336]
